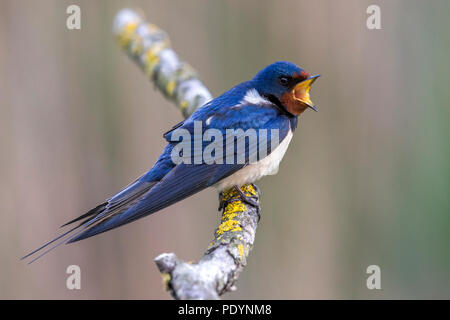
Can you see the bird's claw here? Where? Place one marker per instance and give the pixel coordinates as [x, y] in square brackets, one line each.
[242, 197]
[249, 200]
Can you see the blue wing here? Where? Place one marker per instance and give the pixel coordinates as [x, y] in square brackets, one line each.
[182, 181]
[167, 183]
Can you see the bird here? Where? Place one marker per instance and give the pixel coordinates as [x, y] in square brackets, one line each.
[271, 101]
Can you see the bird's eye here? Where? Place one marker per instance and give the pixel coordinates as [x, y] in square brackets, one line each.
[284, 81]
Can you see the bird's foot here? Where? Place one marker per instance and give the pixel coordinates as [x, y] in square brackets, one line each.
[226, 198]
[225, 201]
[249, 200]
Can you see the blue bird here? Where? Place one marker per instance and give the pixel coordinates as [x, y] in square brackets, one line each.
[266, 107]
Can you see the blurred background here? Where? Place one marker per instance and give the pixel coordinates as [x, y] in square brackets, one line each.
[366, 180]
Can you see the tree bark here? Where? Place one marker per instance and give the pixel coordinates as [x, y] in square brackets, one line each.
[219, 268]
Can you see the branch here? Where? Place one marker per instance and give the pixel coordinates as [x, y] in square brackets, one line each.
[226, 255]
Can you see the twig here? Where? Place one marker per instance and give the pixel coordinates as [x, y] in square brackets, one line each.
[226, 255]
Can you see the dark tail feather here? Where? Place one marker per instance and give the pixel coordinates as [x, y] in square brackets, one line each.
[98, 209]
[119, 203]
[60, 242]
[66, 237]
[49, 243]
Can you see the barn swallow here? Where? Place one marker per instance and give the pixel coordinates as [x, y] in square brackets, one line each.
[273, 99]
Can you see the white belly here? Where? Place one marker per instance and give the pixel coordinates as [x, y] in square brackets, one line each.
[267, 166]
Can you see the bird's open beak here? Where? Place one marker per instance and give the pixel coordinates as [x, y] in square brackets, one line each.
[301, 91]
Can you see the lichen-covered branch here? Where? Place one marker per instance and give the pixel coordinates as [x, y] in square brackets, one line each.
[150, 47]
[219, 268]
[224, 259]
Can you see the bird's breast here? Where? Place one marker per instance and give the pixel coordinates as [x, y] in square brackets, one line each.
[267, 166]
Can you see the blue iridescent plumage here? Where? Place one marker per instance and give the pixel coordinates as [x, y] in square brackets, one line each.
[260, 103]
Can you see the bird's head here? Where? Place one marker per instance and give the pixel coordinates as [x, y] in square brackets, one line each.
[286, 85]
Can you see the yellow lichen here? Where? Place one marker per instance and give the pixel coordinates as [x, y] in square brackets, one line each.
[151, 57]
[183, 105]
[170, 87]
[126, 35]
[249, 190]
[166, 279]
[136, 46]
[150, 61]
[227, 194]
[232, 207]
[241, 250]
[228, 216]
[229, 225]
